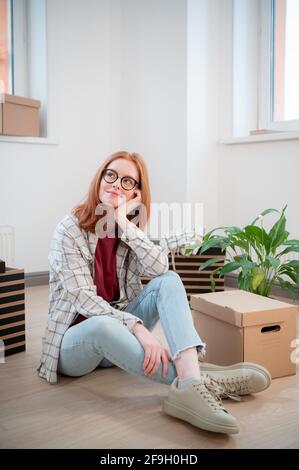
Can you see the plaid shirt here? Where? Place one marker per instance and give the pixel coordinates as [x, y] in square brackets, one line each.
[72, 290]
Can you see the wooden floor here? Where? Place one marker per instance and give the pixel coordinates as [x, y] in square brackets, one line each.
[111, 409]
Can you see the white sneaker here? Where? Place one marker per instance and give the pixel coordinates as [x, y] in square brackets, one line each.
[237, 379]
[199, 406]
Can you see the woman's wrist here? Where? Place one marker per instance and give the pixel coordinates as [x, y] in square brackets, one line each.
[137, 327]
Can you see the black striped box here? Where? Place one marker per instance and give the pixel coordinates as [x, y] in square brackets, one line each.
[196, 282]
[12, 311]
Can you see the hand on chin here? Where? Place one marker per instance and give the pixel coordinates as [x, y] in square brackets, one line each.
[114, 201]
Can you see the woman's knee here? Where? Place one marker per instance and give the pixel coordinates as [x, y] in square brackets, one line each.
[102, 326]
[170, 277]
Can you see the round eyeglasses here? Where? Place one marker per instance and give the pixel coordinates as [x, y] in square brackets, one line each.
[127, 182]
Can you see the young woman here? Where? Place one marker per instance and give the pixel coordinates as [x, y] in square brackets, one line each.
[100, 316]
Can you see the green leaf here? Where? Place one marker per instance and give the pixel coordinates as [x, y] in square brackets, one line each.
[257, 277]
[265, 212]
[279, 241]
[276, 232]
[241, 244]
[289, 249]
[213, 283]
[262, 288]
[287, 285]
[291, 243]
[292, 275]
[229, 267]
[244, 280]
[208, 234]
[246, 265]
[295, 264]
[272, 262]
[214, 241]
[191, 249]
[209, 262]
[232, 230]
[258, 239]
[241, 281]
[256, 233]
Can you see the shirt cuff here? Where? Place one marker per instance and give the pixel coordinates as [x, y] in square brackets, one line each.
[130, 323]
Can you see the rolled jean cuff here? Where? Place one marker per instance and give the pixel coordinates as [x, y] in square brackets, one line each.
[201, 351]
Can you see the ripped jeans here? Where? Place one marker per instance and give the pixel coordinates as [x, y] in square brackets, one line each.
[103, 341]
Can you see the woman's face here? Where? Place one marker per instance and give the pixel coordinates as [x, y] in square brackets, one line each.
[113, 194]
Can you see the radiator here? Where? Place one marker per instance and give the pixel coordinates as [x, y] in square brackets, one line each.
[7, 244]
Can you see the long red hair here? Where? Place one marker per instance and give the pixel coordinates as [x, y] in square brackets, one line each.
[86, 210]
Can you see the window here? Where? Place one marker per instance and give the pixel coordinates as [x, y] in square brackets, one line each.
[279, 90]
[23, 52]
[6, 63]
[285, 66]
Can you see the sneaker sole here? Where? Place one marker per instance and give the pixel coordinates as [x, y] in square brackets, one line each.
[249, 365]
[184, 414]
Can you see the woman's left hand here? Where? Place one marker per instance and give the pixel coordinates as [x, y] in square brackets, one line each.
[125, 207]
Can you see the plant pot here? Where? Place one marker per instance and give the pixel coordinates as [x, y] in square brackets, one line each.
[195, 282]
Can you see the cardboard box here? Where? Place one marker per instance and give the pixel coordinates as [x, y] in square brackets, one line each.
[193, 280]
[239, 326]
[19, 116]
[12, 311]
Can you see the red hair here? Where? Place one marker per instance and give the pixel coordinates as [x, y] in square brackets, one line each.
[86, 210]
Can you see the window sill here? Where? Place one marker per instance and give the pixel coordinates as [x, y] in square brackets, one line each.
[28, 140]
[251, 139]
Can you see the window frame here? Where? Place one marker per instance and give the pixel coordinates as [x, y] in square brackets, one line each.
[265, 111]
[20, 47]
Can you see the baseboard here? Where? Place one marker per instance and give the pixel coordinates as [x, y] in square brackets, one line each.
[39, 278]
[231, 281]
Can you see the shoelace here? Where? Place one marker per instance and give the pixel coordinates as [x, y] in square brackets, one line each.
[230, 387]
[210, 393]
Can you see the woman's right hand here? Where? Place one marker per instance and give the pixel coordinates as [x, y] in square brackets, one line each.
[154, 351]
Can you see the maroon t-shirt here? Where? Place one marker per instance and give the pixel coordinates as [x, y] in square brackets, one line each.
[105, 276]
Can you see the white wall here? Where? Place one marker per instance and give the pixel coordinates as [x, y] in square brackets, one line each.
[203, 107]
[41, 183]
[154, 90]
[124, 86]
[117, 80]
[258, 176]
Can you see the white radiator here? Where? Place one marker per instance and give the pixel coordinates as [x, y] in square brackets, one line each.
[7, 244]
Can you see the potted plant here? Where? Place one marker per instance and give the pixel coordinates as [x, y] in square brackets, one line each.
[257, 255]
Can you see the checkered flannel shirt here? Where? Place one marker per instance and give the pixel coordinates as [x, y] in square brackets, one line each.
[72, 290]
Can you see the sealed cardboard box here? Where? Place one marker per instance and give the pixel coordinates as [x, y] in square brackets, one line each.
[19, 116]
[239, 326]
[12, 311]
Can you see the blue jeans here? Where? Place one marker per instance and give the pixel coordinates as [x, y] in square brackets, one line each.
[103, 341]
